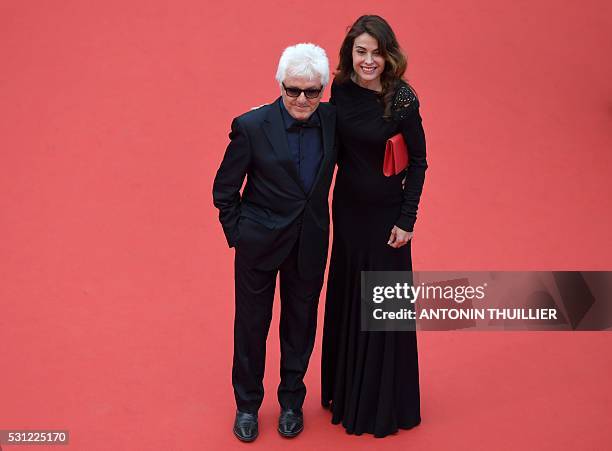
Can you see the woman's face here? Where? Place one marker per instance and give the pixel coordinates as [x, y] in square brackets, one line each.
[368, 63]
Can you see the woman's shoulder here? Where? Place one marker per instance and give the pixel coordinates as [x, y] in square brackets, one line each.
[405, 101]
[340, 93]
[337, 86]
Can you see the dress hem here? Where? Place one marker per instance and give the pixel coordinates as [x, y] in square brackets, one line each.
[350, 431]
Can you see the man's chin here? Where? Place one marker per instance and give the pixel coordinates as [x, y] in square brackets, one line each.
[303, 115]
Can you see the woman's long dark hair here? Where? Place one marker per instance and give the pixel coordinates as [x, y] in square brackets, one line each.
[395, 60]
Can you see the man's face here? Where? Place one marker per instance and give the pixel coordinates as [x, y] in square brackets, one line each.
[301, 107]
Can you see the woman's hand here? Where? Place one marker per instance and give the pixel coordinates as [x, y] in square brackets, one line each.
[399, 237]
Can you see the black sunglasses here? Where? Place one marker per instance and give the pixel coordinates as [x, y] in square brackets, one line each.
[310, 93]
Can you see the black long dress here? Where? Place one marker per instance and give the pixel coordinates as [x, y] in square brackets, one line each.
[370, 380]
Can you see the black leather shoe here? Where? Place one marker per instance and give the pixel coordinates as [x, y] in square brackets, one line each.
[245, 426]
[290, 422]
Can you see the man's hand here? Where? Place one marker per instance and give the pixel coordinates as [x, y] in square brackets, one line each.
[399, 237]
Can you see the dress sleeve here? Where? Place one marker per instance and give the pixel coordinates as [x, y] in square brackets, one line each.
[406, 111]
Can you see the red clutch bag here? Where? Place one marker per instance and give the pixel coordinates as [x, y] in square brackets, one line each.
[396, 156]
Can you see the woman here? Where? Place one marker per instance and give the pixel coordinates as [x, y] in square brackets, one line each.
[370, 380]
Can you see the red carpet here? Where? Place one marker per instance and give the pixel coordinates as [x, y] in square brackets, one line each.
[116, 290]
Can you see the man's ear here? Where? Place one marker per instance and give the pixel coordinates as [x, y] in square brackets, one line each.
[256, 107]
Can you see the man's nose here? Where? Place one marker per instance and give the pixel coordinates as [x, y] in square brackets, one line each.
[302, 96]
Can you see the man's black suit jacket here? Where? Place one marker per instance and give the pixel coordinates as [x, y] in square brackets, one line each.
[274, 210]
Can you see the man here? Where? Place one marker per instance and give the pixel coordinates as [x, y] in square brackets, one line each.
[280, 224]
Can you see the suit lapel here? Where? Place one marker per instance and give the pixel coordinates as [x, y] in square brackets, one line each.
[274, 128]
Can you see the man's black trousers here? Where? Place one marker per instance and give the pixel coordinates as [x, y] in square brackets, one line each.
[298, 324]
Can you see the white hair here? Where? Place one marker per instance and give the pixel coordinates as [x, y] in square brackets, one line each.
[303, 60]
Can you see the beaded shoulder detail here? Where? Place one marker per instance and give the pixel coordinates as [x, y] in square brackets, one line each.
[404, 103]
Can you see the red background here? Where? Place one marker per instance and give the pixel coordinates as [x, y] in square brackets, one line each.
[116, 284]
